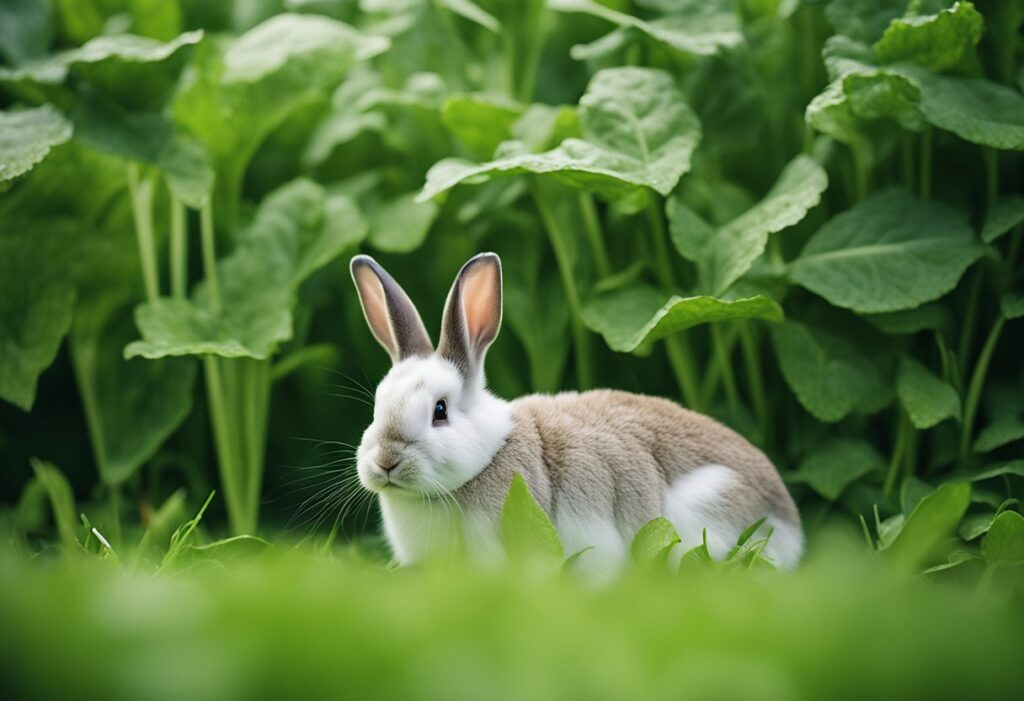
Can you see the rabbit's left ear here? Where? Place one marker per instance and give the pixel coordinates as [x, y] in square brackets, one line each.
[472, 314]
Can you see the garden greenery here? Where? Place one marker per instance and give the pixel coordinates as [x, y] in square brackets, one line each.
[802, 218]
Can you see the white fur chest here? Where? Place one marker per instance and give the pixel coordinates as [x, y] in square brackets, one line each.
[419, 528]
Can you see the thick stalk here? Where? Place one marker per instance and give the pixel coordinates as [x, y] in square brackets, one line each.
[897, 456]
[925, 175]
[594, 238]
[963, 348]
[141, 192]
[255, 412]
[179, 249]
[974, 388]
[752, 361]
[209, 253]
[862, 174]
[224, 444]
[680, 356]
[581, 339]
[722, 358]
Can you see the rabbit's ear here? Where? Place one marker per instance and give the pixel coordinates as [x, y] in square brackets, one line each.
[393, 319]
[472, 314]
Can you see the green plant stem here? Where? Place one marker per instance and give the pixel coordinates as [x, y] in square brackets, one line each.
[179, 249]
[907, 161]
[141, 192]
[976, 385]
[861, 172]
[115, 509]
[594, 238]
[581, 339]
[963, 349]
[255, 404]
[897, 455]
[925, 175]
[991, 159]
[209, 253]
[722, 354]
[752, 361]
[680, 356]
[222, 439]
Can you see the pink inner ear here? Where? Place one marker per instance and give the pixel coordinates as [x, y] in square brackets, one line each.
[375, 306]
[481, 303]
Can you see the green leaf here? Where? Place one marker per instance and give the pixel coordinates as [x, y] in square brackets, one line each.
[974, 109]
[36, 299]
[227, 551]
[526, 530]
[702, 31]
[839, 463]
[652, 541]
[1006, 213]
[236, 96]
[480, 121]
[725, 254]
[635, 315]
[131, 406]
[1013, 467]
[298, 229]
[25, 30]
[936, 42]
[927, 398]
[1012, 304]
[928, 317]
[889, 252]
[1005, 539]
[934, 519]
[62, 503]
[474, 13]
[863, 20]
[26, 138]
[832, 374]
[1002, 431]
[638, 131]
[136, 72]
[401, 224]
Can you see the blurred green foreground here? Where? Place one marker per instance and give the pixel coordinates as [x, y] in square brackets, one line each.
[293, 624]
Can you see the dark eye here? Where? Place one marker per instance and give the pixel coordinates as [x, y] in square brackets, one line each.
[440, 411]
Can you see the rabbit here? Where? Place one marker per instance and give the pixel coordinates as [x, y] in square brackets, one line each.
[442, 450]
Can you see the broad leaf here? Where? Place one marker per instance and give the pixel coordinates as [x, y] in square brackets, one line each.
[1003, 430]
[1005, 539]
[400, 224]
[652, 541]
[1006, 213]
[863, 20]
[638, 131]
[889, 252]
[936, 42]
[725, 254]
[830, 469]
[830, 373]
[480, 121]
[25, 30]
[930, 317]
[927, 398]
[526, 530]
[634, 315]
[934, 519]
[26, 137]
[298, 229]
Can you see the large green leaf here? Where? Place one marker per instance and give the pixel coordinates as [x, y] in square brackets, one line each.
[927, 398]
[26, 138]
[889, 252]
[26, 29]
[1005, 539]
[400, 224]
[36, 299]
[298, 229]
[701, 30]
[832, 468]
[933, 520]
[480, 121]
[238, 94]
[131, 406]
[1006, 213]
[863, 20]
[136, 72]
[830, 373]
[634, 315]
[525, 529]
[936, 42]
[638, 132]
[725, 254]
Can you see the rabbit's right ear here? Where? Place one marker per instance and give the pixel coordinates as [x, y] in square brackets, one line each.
[393, 319]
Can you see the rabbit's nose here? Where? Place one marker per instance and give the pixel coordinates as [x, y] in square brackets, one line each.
[388, 468]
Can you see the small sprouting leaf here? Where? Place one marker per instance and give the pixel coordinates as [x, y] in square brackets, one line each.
[928, 399]
[298, 229]
[723, 255]
[526, 530]
[652, 541]
[831, 374]
[400, 224]
[1006, 213]
[638, 131]
[62, 503]
[934, 519]
[631, 316]
[26, 137]
[480, 121]
[889, 252]
[233, 550]
[936, 42]
[839, 463]
[1005, 539]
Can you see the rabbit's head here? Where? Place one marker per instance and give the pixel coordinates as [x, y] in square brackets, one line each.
[435, 426]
